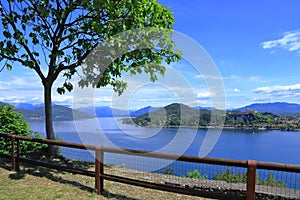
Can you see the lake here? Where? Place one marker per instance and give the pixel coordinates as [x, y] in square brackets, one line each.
[269, 145]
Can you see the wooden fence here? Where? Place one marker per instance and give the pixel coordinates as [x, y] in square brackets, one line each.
[99, 174]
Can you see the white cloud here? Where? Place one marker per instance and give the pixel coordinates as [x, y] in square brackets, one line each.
[255, 79]
[279, 90]
[290, 41]
[236, 90]
[204, 95]
[212, 77]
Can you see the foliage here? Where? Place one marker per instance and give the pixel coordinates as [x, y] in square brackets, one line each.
[59, 36]
[172, 115]
[12, 122]
[242, 178]
[271, 181]
[231, 177]
[250, 119]
[65, 32]
[176, 115]
[196, 175]
[169, 171]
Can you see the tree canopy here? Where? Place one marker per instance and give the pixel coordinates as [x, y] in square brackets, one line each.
[58, 34]
[54, 37]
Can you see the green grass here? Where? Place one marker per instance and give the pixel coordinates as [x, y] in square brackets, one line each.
[42, 183]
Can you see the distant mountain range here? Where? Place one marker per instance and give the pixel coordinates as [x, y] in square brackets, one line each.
[27, 106]
[278, 108]
[143, 111]
[105, 111]
[36, 112]
[60, 113]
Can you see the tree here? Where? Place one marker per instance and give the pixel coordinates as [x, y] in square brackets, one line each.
[54, 37]
[12, 122]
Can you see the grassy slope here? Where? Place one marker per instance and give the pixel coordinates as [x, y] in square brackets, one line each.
[51, 184]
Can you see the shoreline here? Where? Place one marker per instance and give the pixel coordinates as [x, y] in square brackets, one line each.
[221, 127]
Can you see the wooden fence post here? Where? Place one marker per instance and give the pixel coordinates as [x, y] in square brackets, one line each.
[99, 169]
[18, 155]
[13, 158]
[251, 178]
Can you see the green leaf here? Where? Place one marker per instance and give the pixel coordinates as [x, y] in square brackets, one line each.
[7, 34]
[8, 67]
[60, 90]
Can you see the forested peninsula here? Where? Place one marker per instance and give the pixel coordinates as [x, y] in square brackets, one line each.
[180, 115]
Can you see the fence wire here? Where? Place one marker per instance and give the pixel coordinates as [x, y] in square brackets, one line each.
[278, 183]
[198, 176]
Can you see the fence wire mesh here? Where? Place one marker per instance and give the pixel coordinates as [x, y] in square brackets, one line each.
[278, 183]
[199, 176]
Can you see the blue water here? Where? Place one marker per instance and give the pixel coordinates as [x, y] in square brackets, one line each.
[271, 146]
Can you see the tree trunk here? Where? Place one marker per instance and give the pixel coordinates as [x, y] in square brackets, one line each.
[52, 149]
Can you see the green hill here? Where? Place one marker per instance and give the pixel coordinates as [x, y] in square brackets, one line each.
[175, 115]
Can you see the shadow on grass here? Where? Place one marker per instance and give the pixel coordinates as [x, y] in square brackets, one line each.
[53, 175]
[5, 164]
[115, 196]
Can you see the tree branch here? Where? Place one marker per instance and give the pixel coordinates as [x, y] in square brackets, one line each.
[13, 59]
[27, 49]
[76, 64]
[46, 23]
[2, 68]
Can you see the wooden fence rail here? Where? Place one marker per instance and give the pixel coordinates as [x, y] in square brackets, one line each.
[100, 174]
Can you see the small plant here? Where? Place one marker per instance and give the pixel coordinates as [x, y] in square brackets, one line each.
[242, 178]
[231, 177]
[271, 181]
[196, 175]
[169, 171]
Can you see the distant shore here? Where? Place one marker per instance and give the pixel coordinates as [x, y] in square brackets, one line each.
[126, 121]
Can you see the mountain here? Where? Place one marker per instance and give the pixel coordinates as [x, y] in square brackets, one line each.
[60, 113]
[278, 108]
[143, 111]
[105, 111]
[173, 115]
[204, 108]
[1, 104]
[180, 115]
[27, 106]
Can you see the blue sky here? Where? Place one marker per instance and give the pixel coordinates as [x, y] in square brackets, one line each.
[254, 44]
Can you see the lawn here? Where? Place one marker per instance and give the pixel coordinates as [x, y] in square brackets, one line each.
[43, 183]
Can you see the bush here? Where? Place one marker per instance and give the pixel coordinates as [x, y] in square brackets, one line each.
[242, 178]
[271, 181]
[12, 122]
[231, 178]
[196, 175]
[169, 171]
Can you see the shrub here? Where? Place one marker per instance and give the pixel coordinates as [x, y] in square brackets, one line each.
[12, 122]
[271, 181]
[242, 178]
[231, 178]
[169, 171]
[196, 175]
